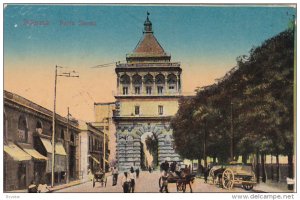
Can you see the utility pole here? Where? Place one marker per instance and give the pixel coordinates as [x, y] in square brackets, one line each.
[204, 150]
[65, 74]
[68, 157]
[53, 130]
[232, 133]
[104, 143]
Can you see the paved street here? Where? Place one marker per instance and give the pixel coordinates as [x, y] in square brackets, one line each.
[145, 183]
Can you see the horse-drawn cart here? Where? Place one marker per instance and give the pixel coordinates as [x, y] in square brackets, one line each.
[232, 174]
[100, 177]
[181, 179]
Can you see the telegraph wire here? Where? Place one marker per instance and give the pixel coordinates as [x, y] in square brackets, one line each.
[107, 64]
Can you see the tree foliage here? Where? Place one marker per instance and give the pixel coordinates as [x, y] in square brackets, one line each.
[255, 98]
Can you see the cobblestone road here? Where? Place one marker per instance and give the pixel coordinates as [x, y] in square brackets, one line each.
[147, 182]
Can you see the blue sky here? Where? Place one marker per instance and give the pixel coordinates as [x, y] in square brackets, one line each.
[205, 39]
[189, 32]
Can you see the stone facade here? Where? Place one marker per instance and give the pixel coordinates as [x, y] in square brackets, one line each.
[91, 149]
[148, 90]
[103, 121]
[26, 126]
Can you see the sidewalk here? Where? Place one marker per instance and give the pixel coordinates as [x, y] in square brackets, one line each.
[56, 187]
[272, 187]
[59, 187]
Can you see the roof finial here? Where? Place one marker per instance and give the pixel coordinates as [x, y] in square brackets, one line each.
[148, 25]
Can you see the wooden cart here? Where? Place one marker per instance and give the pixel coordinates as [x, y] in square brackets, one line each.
[100, 177]
[232, 174]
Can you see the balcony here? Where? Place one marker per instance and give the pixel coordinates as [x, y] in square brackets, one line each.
[146, 65]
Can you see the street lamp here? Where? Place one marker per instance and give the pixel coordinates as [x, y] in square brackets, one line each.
[64, 74]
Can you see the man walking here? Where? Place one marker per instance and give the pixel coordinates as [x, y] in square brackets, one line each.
[132, 178]
[115, 176]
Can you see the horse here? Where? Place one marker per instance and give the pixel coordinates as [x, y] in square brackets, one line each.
[181, 178]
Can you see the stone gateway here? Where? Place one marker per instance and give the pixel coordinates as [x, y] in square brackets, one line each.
[148, 90]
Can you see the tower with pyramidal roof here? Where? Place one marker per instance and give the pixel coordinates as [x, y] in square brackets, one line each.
[148, 90]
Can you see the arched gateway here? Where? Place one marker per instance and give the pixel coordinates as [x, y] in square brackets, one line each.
[131, 144]
[148, 90]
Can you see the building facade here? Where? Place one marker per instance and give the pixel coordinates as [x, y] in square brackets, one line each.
[148, 90]
[28, 146]
[103, 121]
[91, 149]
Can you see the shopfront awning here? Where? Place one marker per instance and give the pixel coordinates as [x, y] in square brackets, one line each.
[16, 153]
[47, 144]
[95, 159]
[60, 156]
[59, 148]
[31, 151]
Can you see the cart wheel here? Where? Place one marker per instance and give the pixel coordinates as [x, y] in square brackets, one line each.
[228, 179]
[247, 186]
[211, 176]
[93, 182]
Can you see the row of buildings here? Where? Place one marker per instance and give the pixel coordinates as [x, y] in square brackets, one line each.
[79, 146]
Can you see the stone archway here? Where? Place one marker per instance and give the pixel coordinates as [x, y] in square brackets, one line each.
[148, 156]
[150, 129]
[131, 150]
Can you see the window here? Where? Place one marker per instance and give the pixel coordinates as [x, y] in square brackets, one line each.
[62, 134]
[148, 89]
[90, 143]
[22, 129]
[125, 90]
[160, 110]
[160, 89]
[39, 127]
[171, 87]
[106, 128]
[137, 90]
[137, 110]
[72, 137]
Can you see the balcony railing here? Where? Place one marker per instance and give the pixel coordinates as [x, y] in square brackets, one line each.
[145, 65]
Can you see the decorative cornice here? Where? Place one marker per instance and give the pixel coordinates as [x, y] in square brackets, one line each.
[148, 97]
[141, 119]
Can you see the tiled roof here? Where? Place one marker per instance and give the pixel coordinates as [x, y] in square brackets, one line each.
[149, 45]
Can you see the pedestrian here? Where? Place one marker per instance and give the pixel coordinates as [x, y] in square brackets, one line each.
[205, 174]
[164, 184]
[32, 188]
[165, 166]
[90, 175]
[172, 166]
[115, 174]
[126, 181]
[150, 169]
[132, 178]
[43, 187]
[137, 172]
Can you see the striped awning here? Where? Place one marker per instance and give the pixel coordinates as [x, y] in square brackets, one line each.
[93, 158]
[16, 153]
[59, 148]
[31, 151]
